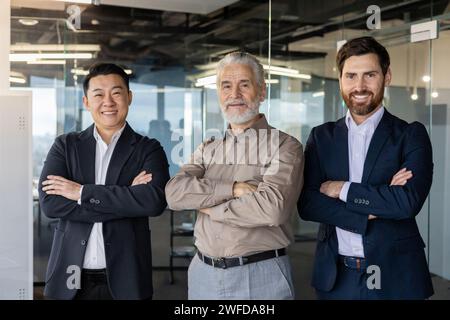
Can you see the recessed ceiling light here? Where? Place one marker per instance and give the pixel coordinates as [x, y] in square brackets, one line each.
[28, 22]
[95, 22]
[288, 17]
[426, 78]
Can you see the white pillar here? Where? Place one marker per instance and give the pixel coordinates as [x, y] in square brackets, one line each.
[5, 40]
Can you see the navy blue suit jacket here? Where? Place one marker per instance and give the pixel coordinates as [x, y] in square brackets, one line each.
[392, 241]
[123, 209]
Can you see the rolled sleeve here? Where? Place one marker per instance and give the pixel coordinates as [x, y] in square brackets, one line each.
[223, 190]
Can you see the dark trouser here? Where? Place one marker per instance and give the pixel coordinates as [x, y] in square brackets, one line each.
[94, 286]
[351, 284]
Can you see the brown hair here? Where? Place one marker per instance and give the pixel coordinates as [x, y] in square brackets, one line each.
[359, 47]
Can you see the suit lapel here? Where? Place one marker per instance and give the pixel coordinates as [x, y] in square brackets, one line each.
[382, 132]
[86, 155]
[123, 150]
[340, 152]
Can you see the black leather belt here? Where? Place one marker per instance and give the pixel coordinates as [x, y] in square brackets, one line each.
[353, 262]
[97, 275]
[224, 263]
[94, 271]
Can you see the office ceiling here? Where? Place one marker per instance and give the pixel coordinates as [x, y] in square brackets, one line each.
[147, 39]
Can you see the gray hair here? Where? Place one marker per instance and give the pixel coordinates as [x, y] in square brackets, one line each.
[241, 57]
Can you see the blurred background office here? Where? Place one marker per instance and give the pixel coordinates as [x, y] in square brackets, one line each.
[170, 49]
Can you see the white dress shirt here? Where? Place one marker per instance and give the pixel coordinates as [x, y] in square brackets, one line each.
[94, 258]
[359, 137]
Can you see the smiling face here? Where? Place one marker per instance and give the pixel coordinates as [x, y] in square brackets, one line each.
[362, 84]
[108, 100]
[239, 93]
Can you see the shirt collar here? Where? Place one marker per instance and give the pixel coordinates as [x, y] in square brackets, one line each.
[261, 123]
[115, 136]
[372, 121]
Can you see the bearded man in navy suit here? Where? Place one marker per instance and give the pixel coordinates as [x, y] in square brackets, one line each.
[367, 176]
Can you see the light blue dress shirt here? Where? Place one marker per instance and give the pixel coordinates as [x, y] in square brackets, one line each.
[359, 137]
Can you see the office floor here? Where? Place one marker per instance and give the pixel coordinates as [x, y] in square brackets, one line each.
[301, 254]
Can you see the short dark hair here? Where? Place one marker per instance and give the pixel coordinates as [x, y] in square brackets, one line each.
[105, 69]
[359, 47]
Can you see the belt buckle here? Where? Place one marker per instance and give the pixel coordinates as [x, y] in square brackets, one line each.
[220, 263]
[358, 263]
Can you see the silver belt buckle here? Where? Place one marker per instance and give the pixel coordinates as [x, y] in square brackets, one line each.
[220, 262]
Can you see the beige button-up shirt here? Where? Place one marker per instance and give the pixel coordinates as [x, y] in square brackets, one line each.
[262, 220]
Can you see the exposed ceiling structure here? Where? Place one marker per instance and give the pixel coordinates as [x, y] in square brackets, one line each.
[149, 40]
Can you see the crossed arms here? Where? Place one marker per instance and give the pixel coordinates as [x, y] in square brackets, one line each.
[402, 198]
[144, 197]
[236, 202]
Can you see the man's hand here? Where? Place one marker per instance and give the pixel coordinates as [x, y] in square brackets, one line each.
[142, 178]
[205, 211]
[241, 188]
[332, 188]
[62, 187]
[401, 177]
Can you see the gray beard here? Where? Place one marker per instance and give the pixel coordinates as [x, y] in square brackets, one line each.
[251, 112]
[248, 115]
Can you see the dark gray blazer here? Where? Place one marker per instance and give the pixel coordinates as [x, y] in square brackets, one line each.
[123, 209]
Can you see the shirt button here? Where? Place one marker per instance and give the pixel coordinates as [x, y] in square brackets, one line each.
[83, 242]
[92, 200]
[97, 201]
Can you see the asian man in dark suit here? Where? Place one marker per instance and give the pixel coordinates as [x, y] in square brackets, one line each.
[103, 184]
[367, 176]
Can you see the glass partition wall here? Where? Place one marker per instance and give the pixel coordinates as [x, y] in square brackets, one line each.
[171, 57]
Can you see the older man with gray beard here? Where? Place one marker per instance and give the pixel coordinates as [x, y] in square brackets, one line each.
[244, 186]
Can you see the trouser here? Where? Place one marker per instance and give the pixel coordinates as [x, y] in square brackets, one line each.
[94, 286]
[351, 283]
[266, 279]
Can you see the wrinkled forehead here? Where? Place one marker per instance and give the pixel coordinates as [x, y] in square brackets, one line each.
[236, 72]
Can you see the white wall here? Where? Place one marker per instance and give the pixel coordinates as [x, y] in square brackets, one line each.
[16, 199]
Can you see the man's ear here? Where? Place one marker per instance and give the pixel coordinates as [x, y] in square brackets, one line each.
[86, 103]
[388, 77]
[263, 93]
[130, 97]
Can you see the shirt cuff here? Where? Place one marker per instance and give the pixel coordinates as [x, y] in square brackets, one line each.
[344, 191]
[79, 200]
[223, 190]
